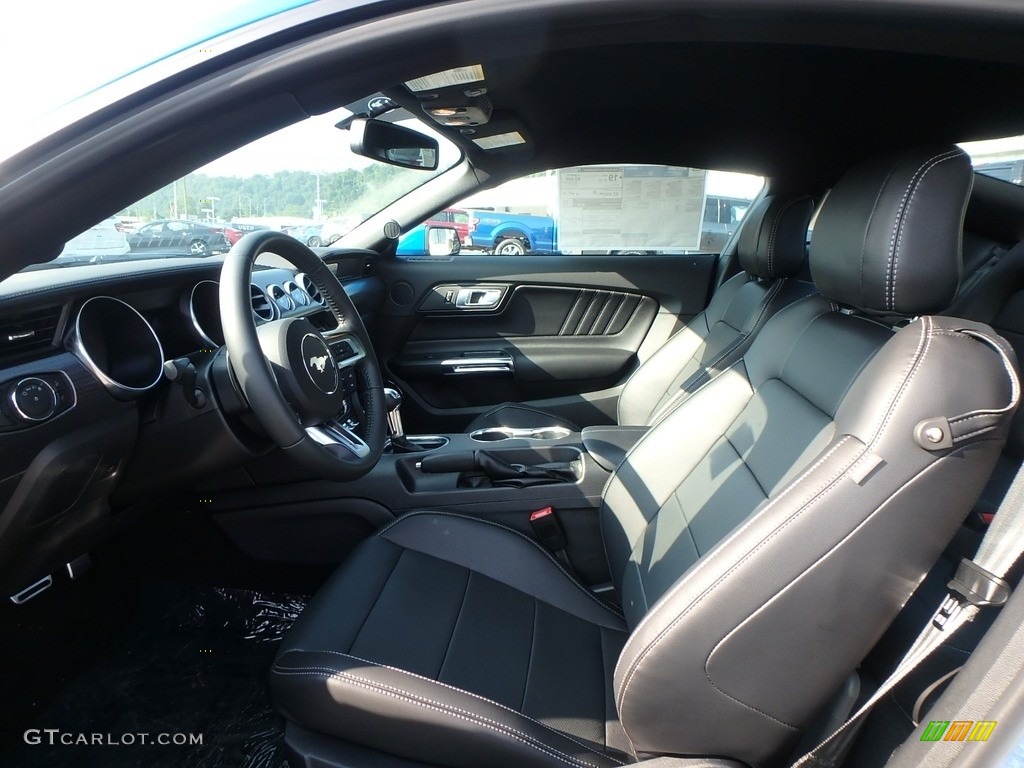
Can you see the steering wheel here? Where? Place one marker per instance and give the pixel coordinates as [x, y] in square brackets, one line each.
[292, 373]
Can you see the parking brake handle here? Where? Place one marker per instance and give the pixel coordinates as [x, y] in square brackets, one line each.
[496, 470]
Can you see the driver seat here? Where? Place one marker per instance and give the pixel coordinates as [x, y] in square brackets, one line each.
[760, 537]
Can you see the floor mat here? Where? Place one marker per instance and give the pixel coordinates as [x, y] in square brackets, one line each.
[185, 685]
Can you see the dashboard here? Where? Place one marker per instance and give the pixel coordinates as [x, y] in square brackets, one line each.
[114, 386]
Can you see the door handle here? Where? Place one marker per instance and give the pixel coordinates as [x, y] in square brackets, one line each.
[478, 298]
[478, 363]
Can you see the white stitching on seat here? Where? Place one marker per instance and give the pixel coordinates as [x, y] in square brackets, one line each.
[535, 544]
[704, 373]
[445, 709]
[977, 432]
[448, 687]
[923, 345]
[826, 489]
[774, 232]
[910, 202]
[643, 653]
[663, 410]
[897, 231]
[908, 375]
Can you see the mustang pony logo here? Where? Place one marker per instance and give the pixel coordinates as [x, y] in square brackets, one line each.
[320, 363]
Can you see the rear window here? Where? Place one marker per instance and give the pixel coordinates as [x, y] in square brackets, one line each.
[1001, 159]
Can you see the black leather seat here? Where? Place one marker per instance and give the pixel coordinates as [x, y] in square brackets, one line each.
[771, 249]
[760, 537]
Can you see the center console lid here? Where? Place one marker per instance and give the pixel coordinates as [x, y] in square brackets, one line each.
[608, 445]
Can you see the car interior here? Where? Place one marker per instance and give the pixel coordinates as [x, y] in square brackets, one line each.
[336, 506]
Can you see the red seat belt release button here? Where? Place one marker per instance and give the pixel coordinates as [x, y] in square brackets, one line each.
[548, 529]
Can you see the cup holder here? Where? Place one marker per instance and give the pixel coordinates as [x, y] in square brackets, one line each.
[548, 433]
[428, 442]
[493, 434]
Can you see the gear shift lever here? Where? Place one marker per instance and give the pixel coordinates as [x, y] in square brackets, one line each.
[396, 433]
[393, 403]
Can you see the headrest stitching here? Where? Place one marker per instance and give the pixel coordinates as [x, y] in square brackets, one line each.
[897, 229]
[772, 239]
[910, 202]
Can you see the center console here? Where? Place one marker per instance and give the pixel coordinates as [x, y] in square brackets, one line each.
[502, 475]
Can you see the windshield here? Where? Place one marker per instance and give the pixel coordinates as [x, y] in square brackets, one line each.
[107, 40]
[303, 180]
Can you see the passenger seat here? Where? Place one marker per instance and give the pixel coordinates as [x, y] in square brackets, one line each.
[771, 249]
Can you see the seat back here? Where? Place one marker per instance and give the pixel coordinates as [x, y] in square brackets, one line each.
[772, 247]
[766, 531]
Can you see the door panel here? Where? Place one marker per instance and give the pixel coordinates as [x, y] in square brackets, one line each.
[535, 310]
[565, 333]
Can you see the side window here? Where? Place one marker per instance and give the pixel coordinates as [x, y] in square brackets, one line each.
[600, 209]
[1001, 159]
[737, 210]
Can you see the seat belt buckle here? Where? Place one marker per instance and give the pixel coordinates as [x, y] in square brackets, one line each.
[548, 529]
[971, 585]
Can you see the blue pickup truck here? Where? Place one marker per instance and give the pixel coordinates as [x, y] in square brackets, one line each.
[510, 234]
[513, 234]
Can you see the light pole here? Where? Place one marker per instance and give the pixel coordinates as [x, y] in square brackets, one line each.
[213, 207]
[318, 203]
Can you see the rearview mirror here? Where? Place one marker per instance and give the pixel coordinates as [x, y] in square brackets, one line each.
[393, 144]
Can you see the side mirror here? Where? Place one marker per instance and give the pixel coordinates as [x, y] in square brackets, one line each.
[393, 144]
[421, 240]
[443, 241]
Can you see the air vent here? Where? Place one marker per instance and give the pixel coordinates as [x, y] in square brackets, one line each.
[306, 283]
[299, 295]
[27, 333]
[281, 298]
[262, 306]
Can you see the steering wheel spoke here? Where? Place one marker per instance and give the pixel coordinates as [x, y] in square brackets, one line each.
[347, 349]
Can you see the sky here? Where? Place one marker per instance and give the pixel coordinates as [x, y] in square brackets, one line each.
[53, 51]
[66, 49]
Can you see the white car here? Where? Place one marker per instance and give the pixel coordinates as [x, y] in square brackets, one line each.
[103, 239]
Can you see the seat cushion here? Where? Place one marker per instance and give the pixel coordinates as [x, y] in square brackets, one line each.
[443, 638]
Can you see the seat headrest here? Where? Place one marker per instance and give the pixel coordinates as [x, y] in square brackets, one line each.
[773, 239]
[888, 236]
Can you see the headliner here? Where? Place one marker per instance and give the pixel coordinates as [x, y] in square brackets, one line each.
[776, 110]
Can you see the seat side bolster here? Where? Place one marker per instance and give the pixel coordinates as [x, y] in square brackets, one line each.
[528, 567]
[652, 469]
[349, 697]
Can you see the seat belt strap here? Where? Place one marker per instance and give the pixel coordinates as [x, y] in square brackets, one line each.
[978, 583]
